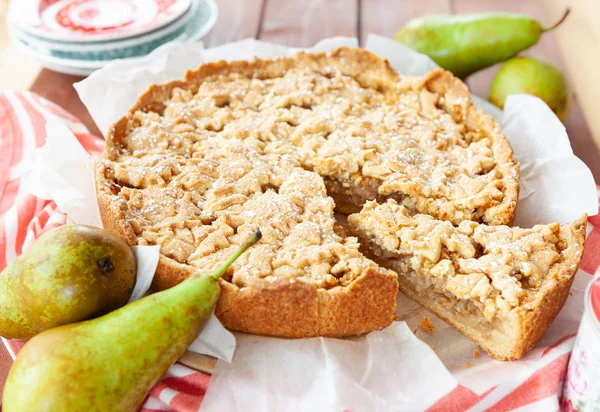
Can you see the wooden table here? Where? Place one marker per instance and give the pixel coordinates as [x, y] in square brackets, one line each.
[304, 22]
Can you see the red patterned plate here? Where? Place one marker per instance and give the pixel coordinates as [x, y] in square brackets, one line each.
[94, 20]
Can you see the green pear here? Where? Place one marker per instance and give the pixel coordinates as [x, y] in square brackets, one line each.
[532, 76]
[110, 363]
[69, 274]
[466, 43]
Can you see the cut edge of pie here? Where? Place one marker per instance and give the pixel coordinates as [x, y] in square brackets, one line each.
[467, 289]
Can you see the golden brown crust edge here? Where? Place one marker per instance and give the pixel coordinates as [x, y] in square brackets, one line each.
[458, 102]
[301, 310]
[279, 308]
[297, 309]
[551, 300]
[111, 213]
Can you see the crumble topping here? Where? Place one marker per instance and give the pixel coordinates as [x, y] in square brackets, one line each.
[198, 171]
[493, 266]
[393, 140]
[199, 209]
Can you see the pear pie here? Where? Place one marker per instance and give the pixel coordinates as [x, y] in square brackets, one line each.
[280, 145]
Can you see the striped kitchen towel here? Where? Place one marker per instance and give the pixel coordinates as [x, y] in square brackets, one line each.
[24, 217]
[530, 384]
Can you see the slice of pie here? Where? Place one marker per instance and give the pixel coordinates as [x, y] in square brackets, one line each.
[499, 286]
[197, 165]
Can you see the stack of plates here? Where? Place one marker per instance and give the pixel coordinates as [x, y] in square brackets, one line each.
[80, 36]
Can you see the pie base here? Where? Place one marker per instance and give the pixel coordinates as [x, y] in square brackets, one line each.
[301, 310]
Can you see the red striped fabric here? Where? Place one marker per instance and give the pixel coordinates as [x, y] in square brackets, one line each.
[541, 384]
[460, 399]
[24, 217]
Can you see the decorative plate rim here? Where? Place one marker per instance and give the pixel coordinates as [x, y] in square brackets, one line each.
[90, 65]
[16, 18]
[112, 45]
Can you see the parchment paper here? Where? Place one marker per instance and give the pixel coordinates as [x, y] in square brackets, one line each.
[389, 369]
[383, 371]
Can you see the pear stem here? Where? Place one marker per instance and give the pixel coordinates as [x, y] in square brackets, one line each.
[249, 242]
[558, 23]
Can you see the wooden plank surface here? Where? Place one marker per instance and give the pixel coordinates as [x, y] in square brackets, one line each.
[385, 17]
[237, 20]
[304, 23]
